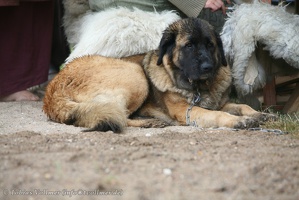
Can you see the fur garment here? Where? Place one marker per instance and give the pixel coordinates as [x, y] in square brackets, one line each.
[74, 10]
[273, 27]
[119, 32]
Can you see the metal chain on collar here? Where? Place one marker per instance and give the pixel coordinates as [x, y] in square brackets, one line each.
[196, 99]
[275, 131]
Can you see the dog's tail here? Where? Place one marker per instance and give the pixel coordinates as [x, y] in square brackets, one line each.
[96, 116]
[99, 116]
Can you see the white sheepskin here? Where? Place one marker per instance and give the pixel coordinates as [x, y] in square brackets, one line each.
[271, 26]
[121, 32]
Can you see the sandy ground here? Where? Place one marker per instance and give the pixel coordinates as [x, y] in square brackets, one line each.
[41, 159]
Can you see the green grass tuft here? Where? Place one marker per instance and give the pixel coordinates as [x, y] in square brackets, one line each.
[286, 122]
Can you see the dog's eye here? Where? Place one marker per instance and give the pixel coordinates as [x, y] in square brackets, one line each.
[189, 45]
[210, 45]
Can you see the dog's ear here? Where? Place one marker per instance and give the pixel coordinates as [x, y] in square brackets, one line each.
[166, 44]
[220, 47]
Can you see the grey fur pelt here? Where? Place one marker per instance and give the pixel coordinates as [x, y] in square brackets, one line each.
[273, 27]
[74, 11]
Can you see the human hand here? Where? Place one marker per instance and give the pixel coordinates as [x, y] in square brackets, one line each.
[216, 5]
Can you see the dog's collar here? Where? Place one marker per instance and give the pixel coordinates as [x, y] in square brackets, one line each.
[195, 100]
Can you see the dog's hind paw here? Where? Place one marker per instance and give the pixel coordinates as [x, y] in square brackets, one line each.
[156, 124]
[147, 123]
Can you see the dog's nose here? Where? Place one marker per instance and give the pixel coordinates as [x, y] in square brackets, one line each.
[206, 67]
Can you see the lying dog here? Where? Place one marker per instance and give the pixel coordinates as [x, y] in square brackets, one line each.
[185, 82]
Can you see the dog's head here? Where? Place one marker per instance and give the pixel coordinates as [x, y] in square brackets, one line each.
[193, 49]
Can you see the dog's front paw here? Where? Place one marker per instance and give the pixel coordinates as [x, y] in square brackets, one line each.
[261, 116]
[245, 122]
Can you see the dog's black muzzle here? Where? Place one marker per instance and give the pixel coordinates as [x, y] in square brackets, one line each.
[200, 68]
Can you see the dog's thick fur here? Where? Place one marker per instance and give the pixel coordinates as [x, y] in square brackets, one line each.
[103, 93]
[272, 27]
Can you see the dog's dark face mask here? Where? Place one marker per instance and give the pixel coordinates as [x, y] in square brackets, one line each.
[195, 50]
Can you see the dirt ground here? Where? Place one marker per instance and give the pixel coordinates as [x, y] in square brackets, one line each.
[41, 159]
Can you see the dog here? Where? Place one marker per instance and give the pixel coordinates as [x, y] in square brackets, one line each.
[186, 81]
